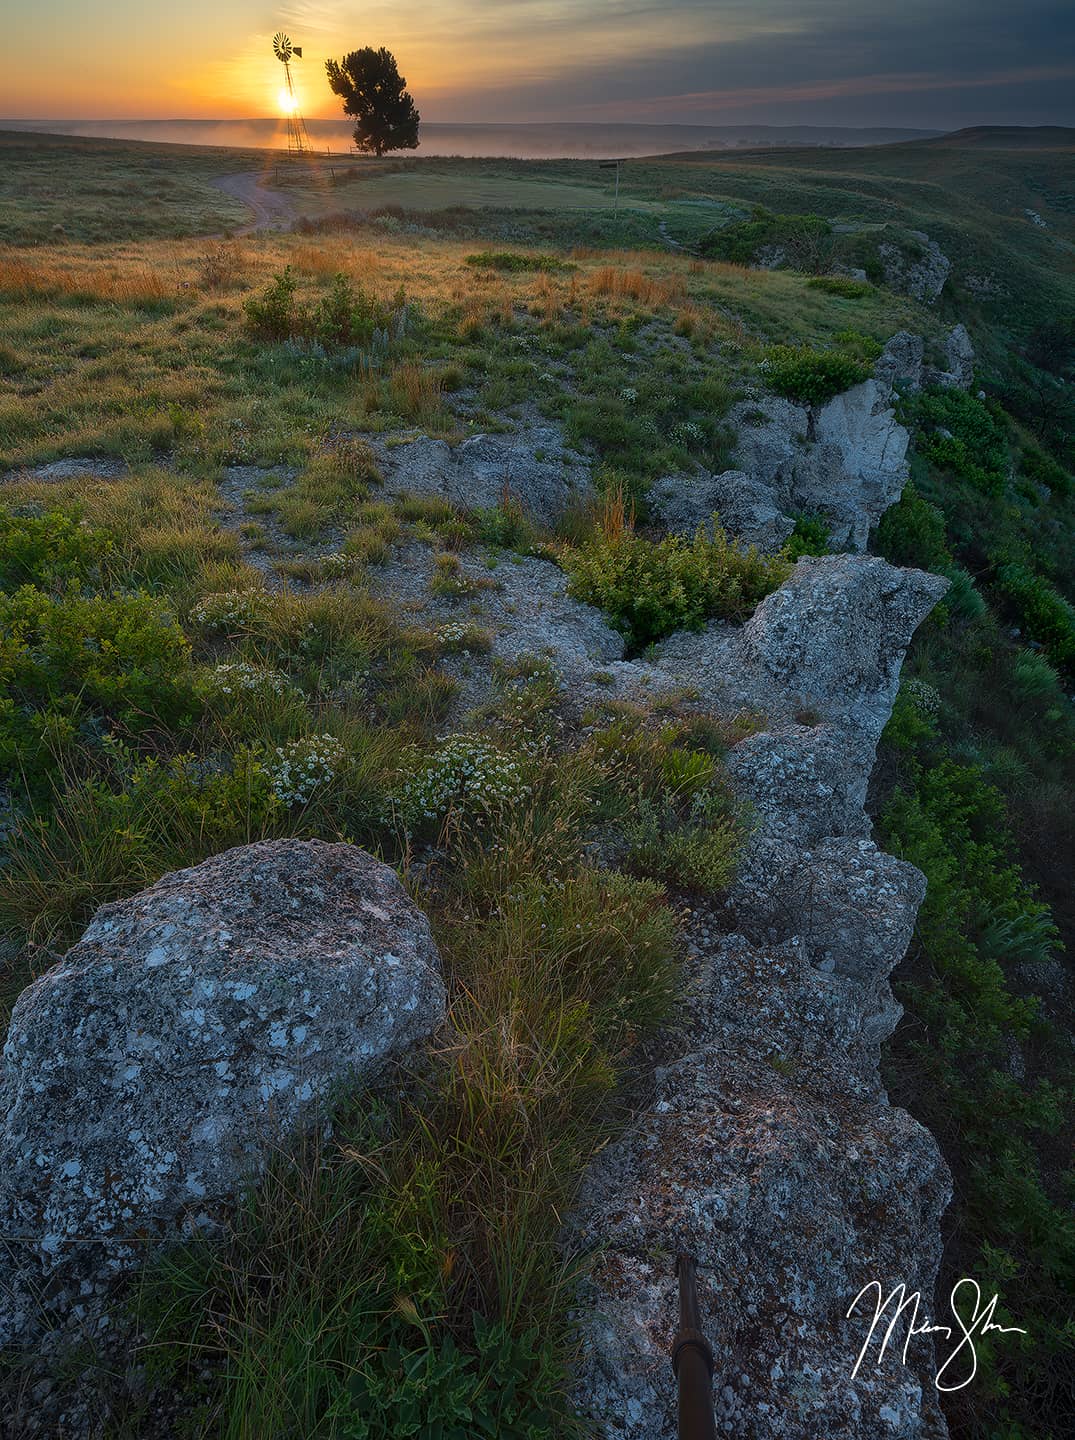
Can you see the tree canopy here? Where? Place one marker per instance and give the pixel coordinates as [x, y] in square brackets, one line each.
[374, 92]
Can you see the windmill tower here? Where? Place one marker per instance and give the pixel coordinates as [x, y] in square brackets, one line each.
[298, 141]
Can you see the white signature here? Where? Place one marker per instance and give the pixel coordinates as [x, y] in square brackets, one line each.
[893, 1305]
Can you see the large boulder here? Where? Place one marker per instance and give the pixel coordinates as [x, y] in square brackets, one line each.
[764, 1156]
[900, 362]
[828, 643]
[148, 1074]
[857, 466]
[533, 467]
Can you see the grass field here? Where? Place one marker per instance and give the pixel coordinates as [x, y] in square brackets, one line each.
[139, 335]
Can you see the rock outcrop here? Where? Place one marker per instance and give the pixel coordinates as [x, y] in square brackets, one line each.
[958, 368]
[845, 461]
[768, 1151]
[533, 467]
[902, 362]
[922, 275]
[744, 504]
[148, 1074]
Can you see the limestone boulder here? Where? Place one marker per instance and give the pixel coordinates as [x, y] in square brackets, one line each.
[957, 371]
[149, 1073]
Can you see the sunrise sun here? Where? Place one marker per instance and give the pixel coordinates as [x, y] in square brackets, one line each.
[287, 102]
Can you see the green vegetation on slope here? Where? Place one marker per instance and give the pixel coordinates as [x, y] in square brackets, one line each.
[975, 789]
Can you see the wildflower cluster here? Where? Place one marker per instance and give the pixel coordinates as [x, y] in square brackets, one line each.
[339, 565]
[241, 678]
[300, 768]
[459, 635]
[629, 395]
[925, 697]
[686, 433]
[229, 610]
[465, 774]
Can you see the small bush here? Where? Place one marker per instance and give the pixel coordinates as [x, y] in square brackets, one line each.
[271, 316]
[810, 537]
[845, 286]
[1044, 470]
[464, 776]
[805, 240]
[809, 376]
[650, 589]
[912, 532]
[75, 661]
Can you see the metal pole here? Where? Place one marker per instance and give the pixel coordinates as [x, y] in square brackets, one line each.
[692, 1362]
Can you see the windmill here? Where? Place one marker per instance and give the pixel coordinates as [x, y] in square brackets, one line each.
[298, 141]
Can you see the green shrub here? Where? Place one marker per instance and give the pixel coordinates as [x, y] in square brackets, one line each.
[1033, 678]
[1046, 616]
[464, 776]
[809, 376]
[978, 918]
[843, 285]
[515, 260]
[72, 660]
[650, 589]
[806, 240]
[1044, 470]
[912, 532]
[272, 315]
[866, 348]
[49, 550]
[959, 432]
[694, 845]
[810, 537]
[346, 316]
[963, 598]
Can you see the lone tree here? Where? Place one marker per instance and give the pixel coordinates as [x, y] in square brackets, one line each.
[374, 92]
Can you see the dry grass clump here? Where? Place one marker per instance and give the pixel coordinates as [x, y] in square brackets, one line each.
[21, 279]
[416, 393]
[224, 266]
[635, 285]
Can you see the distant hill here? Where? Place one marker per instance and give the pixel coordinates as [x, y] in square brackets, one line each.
[523, 141]
[1006, 137]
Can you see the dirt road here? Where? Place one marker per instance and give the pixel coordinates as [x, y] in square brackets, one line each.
[272, 209]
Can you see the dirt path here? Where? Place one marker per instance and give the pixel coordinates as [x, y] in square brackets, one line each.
[272, 209]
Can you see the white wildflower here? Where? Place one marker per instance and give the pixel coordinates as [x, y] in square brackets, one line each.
[241, 678]
[302, 767]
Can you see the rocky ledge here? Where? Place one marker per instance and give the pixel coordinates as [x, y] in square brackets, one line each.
[768, 1150]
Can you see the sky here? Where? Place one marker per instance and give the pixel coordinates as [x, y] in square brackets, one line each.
[935, 64]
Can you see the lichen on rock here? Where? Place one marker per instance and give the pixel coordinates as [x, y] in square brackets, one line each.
[147, 1075]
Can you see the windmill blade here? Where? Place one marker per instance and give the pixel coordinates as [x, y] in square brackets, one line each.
[282, 47]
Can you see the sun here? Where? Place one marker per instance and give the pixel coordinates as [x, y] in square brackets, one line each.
[287, 102]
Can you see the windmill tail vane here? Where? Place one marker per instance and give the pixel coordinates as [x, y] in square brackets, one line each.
[298, 141]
